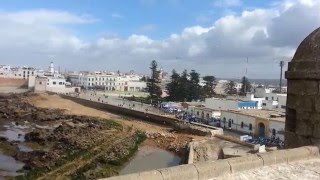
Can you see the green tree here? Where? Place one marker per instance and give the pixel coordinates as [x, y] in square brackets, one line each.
[193, 86]
[230, 88]
[173, 87]
[144, 79]
[208, 88]
[246, 86]
[183, 86]
[153, 84]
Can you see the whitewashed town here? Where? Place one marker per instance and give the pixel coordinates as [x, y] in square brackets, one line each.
[258, 113]
[160, 90]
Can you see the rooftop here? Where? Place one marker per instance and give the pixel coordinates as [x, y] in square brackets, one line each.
[272, 115]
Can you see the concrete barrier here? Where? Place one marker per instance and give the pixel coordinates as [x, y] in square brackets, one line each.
[207, 170]
[154, 175]
[191, 153]
[288, 155]
[238, 164]
[213, 169]
[188, 171]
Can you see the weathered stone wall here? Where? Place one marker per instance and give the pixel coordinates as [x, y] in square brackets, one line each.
[179, 125]
[10, 82]
[303, 100]
[213, 169]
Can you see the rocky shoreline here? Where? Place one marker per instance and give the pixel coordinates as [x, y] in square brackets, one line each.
[72, 146]
[60, 139]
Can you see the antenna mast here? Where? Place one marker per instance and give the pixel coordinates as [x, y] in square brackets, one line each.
[281, 69]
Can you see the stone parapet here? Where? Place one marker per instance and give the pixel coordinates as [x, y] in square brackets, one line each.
[213, 169]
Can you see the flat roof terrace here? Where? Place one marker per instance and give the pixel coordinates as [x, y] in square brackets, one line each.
[272, 115]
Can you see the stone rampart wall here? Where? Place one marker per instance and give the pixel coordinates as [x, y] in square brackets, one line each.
[179, 125]
[210, 170]
[10, 82]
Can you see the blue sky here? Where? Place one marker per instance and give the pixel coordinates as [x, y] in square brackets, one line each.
[213, 37]
[155, 18]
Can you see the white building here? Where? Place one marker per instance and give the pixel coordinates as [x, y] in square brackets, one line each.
[108, 81]
[54, 84]
[259, 123]
[204, 113]
[271, 100]
[229, 104]
[16, 72]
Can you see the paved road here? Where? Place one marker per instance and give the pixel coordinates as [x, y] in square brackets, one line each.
[116, 101]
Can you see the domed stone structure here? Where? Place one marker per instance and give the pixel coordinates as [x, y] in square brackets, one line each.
[303, 101]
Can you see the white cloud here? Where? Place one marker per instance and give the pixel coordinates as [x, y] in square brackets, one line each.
[263, 35]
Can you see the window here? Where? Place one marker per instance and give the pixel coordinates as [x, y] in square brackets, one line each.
[40, 82]
[54, 82]
[250, 127]
[272, 97]
[198, 113]
[264, 104]
[273, 132]
[60, 83]
[267, 98]
[242, 124]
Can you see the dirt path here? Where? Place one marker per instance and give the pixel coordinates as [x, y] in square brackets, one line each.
[70, 107]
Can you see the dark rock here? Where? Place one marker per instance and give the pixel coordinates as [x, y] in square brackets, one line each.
[3, 139]
[36, 136]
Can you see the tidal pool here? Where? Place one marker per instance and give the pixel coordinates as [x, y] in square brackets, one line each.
[149, 158]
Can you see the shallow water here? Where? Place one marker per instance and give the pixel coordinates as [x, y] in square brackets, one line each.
[9, 166]
[149, 158]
